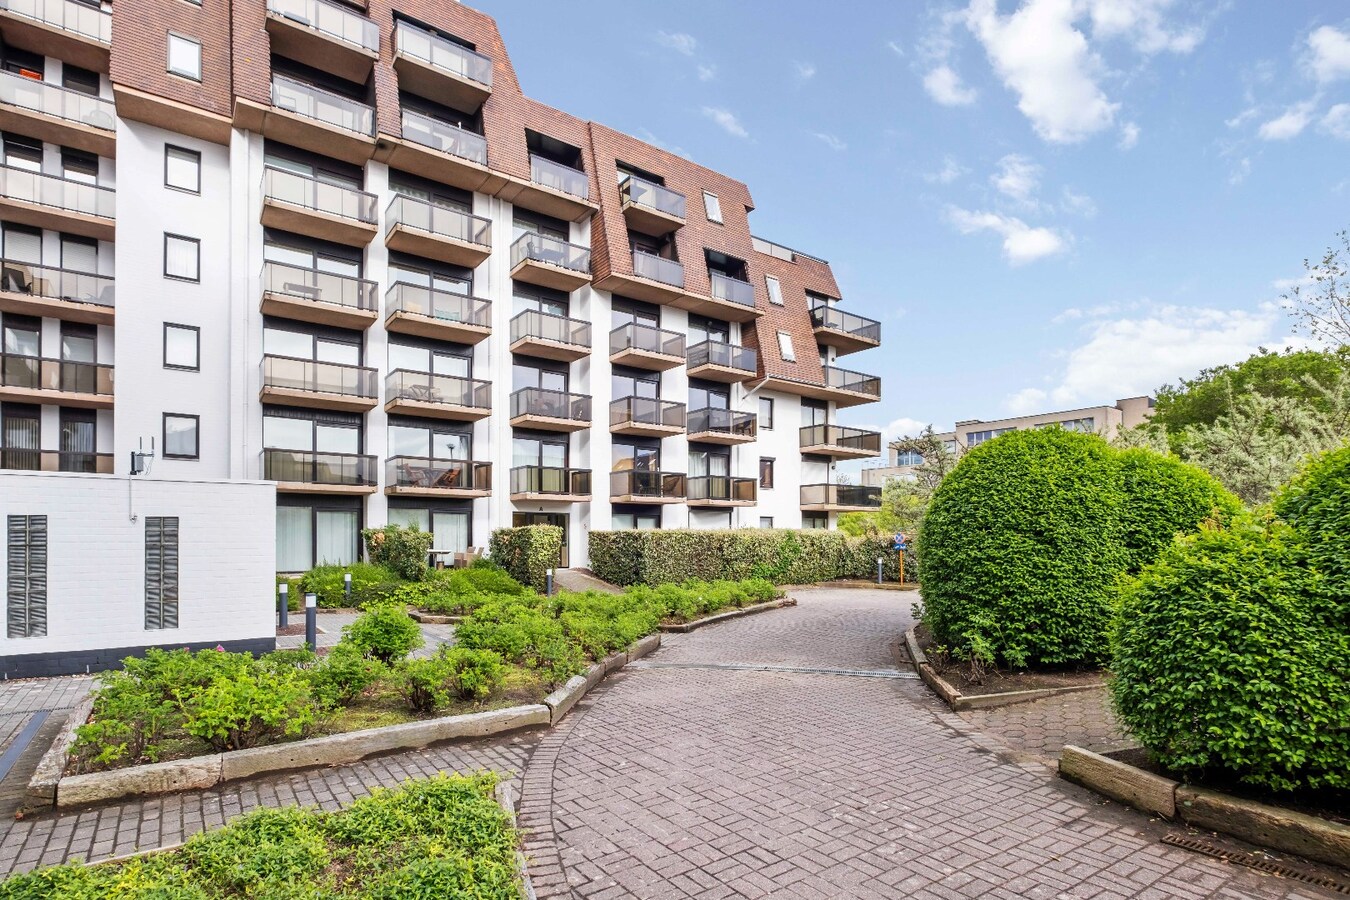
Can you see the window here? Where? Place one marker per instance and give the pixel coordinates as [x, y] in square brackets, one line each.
[74, 78]
[713, 207]
[766, 521]
[161, 572]
[640, 521]
[78, 166]
[775, 290]
[765, 472]
[450, 530]
[182, 257]
[766, 413]
[182, 169]
[976, 438]
[185, 56]
[78, 440]
[818, 521]
[182, 347]
[785, 347]
[26, 594]
[908, 458]
[180, 436]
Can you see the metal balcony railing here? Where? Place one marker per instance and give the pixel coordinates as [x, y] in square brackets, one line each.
[56, 101]
[547, 249]
[322, 106]
[444, 137]
[641, 192]
[732, 290]
[77, 18]
[840, 495]
[436, 304]
[547, 327]
[57, 193]
[320, 287]
[841, 436]
[647, 411]
[312, 376]
[427, 387]
[38, 374]
[720, 353]
[856, 382]
[26, 460]
[52, 283]
[551, 404]
[313, 467]
[429, 473]
[330, 19]
[559, 177]
[320, 196]
[550, 480]
[648, 485]
[658, 268]
[723, 488]
[731, 422]
[835, 319]
[443, 54]
[443, 221]
[638, 336]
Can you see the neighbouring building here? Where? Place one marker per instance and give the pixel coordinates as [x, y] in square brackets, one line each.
[1103, 420]
[333, 246]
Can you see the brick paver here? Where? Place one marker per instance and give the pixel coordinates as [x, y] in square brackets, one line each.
[330, 625]
[1043, 727]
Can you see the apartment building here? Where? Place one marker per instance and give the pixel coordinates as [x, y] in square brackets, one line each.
[351, 257]
[1103, 420]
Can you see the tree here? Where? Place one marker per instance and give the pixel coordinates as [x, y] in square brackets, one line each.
[1322, 308]
[938, 458]
[904, 501]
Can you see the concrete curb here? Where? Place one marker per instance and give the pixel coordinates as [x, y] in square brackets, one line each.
[686, 627]
[41, 790]
[1119, 781]
[433, 618]
[506, 800]
[853, 583]
[959, 702]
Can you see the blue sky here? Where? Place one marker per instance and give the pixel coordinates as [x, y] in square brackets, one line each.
[1047, 203]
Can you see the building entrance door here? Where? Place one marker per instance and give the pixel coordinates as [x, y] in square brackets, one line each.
[560, 519]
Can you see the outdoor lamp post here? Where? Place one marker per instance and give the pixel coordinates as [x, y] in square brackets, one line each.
[312, 622]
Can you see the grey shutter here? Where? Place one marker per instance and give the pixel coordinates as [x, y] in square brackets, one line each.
[26, 592]
[161, 572]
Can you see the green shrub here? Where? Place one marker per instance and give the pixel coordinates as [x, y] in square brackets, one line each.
[386, 633]
[248, 707]
[602, 623]
[267, 850]
[343, 675]
[1165, 497]
[1225, 670]
[401, 550]
[530, 635]
[1317, 504]
[487, 577]
[428, 684]
[527, 553]
[369, 582]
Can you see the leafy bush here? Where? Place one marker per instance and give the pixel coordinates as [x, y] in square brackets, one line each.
[248, 707]
[1317, 503]
[522, 633]
[386, 633]
[1225, 669]
[694, 599]
[402, 550]
[602, 623]
[1165, 497]
[527, 553]
[428, 684]
[369, 584]
[343, 675]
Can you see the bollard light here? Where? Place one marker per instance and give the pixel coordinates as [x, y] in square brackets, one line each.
[312, 621]
[880, 561]
[284, 606]
[347, 588]
[548, 583]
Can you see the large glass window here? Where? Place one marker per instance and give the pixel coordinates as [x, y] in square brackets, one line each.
[181, 439]
[311, 258]
[295, 538]
[706, 396]
[450, 530]
[429, 441]
[182, 169]
[335, 537]
[635, 458]
[647, 520]
[701, 329]
[425, 359]
[24, 246]
[632, 383]
[78, 440]
[539, 451]
[408, 272]
[526, 297]
[182, 257]
[709, 462]
[298, 345]
[182, 347]
[622, 313]
[525, 376]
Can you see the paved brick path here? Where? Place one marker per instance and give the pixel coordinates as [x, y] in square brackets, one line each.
[330, 625]
[44, 703]
[1041, 729]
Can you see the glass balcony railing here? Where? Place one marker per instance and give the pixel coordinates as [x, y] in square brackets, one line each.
[444, 305]
[427, 387]
[331, 20]
[641, 192]
[841, 495]
[65, 15]
[437, 474]
[443, 54]
[559, 177]
[533, 324]
[37, 374]
[841, 436]
[442, 221]
[25, 460]
[649, 338]
[647, 411]
[444, 137]
[837, 320]
[855, 382]
[56, 101]
[648, 485]
[730, 422]
[658, 268]
[717, 353]
[320, 287]
[322, 106]
[733, 290]
[320, 196]
[312, 376]
[551, 404]
[50, 283]
[57, 193]
[551, 480]
[547, 249]
[314, 467]
[722, 488]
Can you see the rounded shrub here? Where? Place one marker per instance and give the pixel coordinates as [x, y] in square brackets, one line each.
[1223, 667]
[1317, 504]
[1165, 497]
[386, 633]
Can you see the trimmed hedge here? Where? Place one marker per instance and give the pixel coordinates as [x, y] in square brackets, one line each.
[1163, 497]
[779, 555]
[1317, 503]
[527, 552]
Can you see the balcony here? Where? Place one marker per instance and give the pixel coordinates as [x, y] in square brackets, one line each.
[651, 208]
[57, 115]
[411, 476]
[308, 295]
[432, 66]
[722, 426]
[546, 483]
[318, 385]
[843, 387]
[312, 118]
[547, 410]
[318, 209]
[553, 189]
[32, 290]
[550, 262]
[441, 315]
[437, 396]
[548, 336]
[730, 299]
[840, 442]
[31, 379]
[718, 361]
[647, 487]
[311, 472]
[22, 459]
[654, 279]
[437, 232]
[442, 152]
[46, 201]
[327, 36]
[646, 347]
[844, 331]
[722, 491]
[646, 417]
[840, 498]
[72, 32]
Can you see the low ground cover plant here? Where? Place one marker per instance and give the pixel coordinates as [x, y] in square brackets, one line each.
[442, 837]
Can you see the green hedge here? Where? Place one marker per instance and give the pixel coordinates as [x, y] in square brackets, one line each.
[1317, 503]
[779, 555]
[527, 553]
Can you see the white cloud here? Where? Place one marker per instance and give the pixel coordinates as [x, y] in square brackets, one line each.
[677, 41]
[1328, 56]
[1078, 204]
[1047, 62]
[706, 71]
[1337, 121]
[1022, 243]
[1240, 171]
[727, 120]
[1289, 124]
[806, 70]
[1129, 136]
[950, 171]
[1243, 117]
[657, 142]
[1026, 402]
[830, 140]
[1017, 177]
[1142, 23]
[946, 87]
[896, 48]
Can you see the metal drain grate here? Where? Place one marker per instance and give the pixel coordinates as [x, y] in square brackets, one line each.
[765, 667]
[1251, 860]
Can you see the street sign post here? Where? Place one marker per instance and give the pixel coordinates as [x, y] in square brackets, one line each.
[900, 545]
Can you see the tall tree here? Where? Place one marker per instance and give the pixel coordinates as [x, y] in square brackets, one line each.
[1322, 307]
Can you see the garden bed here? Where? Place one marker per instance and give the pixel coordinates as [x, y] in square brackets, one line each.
[726, 614]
